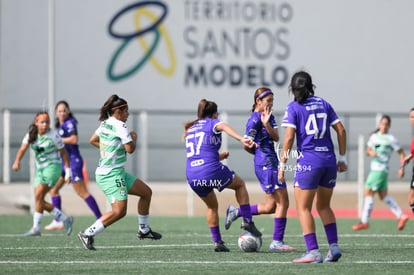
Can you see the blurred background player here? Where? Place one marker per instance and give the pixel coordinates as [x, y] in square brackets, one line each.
[66, 124]
[380, 146]
[205, 171]
[114, 141]
[261, 127]
[49, 152]
[406, 161]
[309, 118]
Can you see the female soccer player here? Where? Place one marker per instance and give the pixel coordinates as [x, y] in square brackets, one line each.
[205, 172]
[309, 118]
[114, 142]
[49, 152]
[406, 160]
[262, 129]
[380, 146]
[66, 125]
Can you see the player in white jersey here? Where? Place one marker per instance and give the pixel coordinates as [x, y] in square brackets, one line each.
[48, 148]
[114, 141]
[381, 144]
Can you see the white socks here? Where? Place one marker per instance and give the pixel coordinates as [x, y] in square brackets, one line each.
[366, 212]
[95, 228]
[393, 205]
[143, 223]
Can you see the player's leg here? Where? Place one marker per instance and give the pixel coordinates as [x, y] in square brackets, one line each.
[213, 221]
[144, 192]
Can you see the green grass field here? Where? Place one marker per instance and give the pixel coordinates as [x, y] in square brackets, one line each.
[186, 248]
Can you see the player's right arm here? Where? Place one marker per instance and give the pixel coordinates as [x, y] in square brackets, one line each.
[19, 156]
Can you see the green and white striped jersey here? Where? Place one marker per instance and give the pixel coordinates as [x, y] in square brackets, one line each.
[46, 148]
[113, 134]
[384, 145]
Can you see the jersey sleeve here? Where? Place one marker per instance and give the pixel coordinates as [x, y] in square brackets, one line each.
[252, 126]
[123, 133]
[57, 140]
[289, 118]
[25, 139]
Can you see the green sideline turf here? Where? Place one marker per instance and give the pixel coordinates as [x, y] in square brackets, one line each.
[186, 248]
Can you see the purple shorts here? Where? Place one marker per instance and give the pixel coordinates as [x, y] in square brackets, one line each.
[76, 166]
[203, 182]
[268, 179]
[311, 179]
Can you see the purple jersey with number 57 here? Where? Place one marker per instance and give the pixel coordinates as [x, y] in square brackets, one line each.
[312, 120]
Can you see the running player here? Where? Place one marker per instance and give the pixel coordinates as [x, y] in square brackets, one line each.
[380, 146]
[114, 142]
[49, 152]
[66, 124]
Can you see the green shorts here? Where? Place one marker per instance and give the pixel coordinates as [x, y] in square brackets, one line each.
[377, 181]
[115, 184]
[48, 175]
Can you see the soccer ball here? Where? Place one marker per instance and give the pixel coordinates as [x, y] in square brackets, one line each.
[249, 243]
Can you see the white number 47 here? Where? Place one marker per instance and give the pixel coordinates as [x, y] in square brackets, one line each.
[312, 127]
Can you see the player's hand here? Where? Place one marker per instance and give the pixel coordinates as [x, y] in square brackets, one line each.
[16, 166]
[133, 135]
[68, 174]
[265, 115]
[342, 167]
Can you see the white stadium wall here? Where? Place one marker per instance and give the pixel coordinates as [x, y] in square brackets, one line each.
[167, 55]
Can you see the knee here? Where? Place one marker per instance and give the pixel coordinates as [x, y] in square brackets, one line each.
[119, 213]
[269, 208]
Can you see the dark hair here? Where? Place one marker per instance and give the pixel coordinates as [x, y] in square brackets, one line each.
[33, 128]
[387, 117]
[69, 112]
[260, 93]
[301, 86]
[205, 109]
[113, 103]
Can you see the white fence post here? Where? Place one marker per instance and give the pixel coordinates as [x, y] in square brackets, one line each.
[361, 173]
[143, 138]
[6, 146]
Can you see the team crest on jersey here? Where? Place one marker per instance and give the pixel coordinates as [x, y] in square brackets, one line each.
[252, 132]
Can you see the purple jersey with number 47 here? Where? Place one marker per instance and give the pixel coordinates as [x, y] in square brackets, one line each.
[312, 120]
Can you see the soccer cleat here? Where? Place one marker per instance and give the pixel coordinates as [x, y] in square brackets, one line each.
[68, 225]
[280, 246]
[231, 216]
[334, 253]
[149, 235]
[360, 226]
[402, 221]
[86, 240]
[310, 257]
[33, 233]
[54, 225]
[220, 247]
[249, 226]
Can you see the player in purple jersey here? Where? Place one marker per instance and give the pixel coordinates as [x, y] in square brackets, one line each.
[205, 172]
[66, 125]
[309, 118]
[262, 129]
